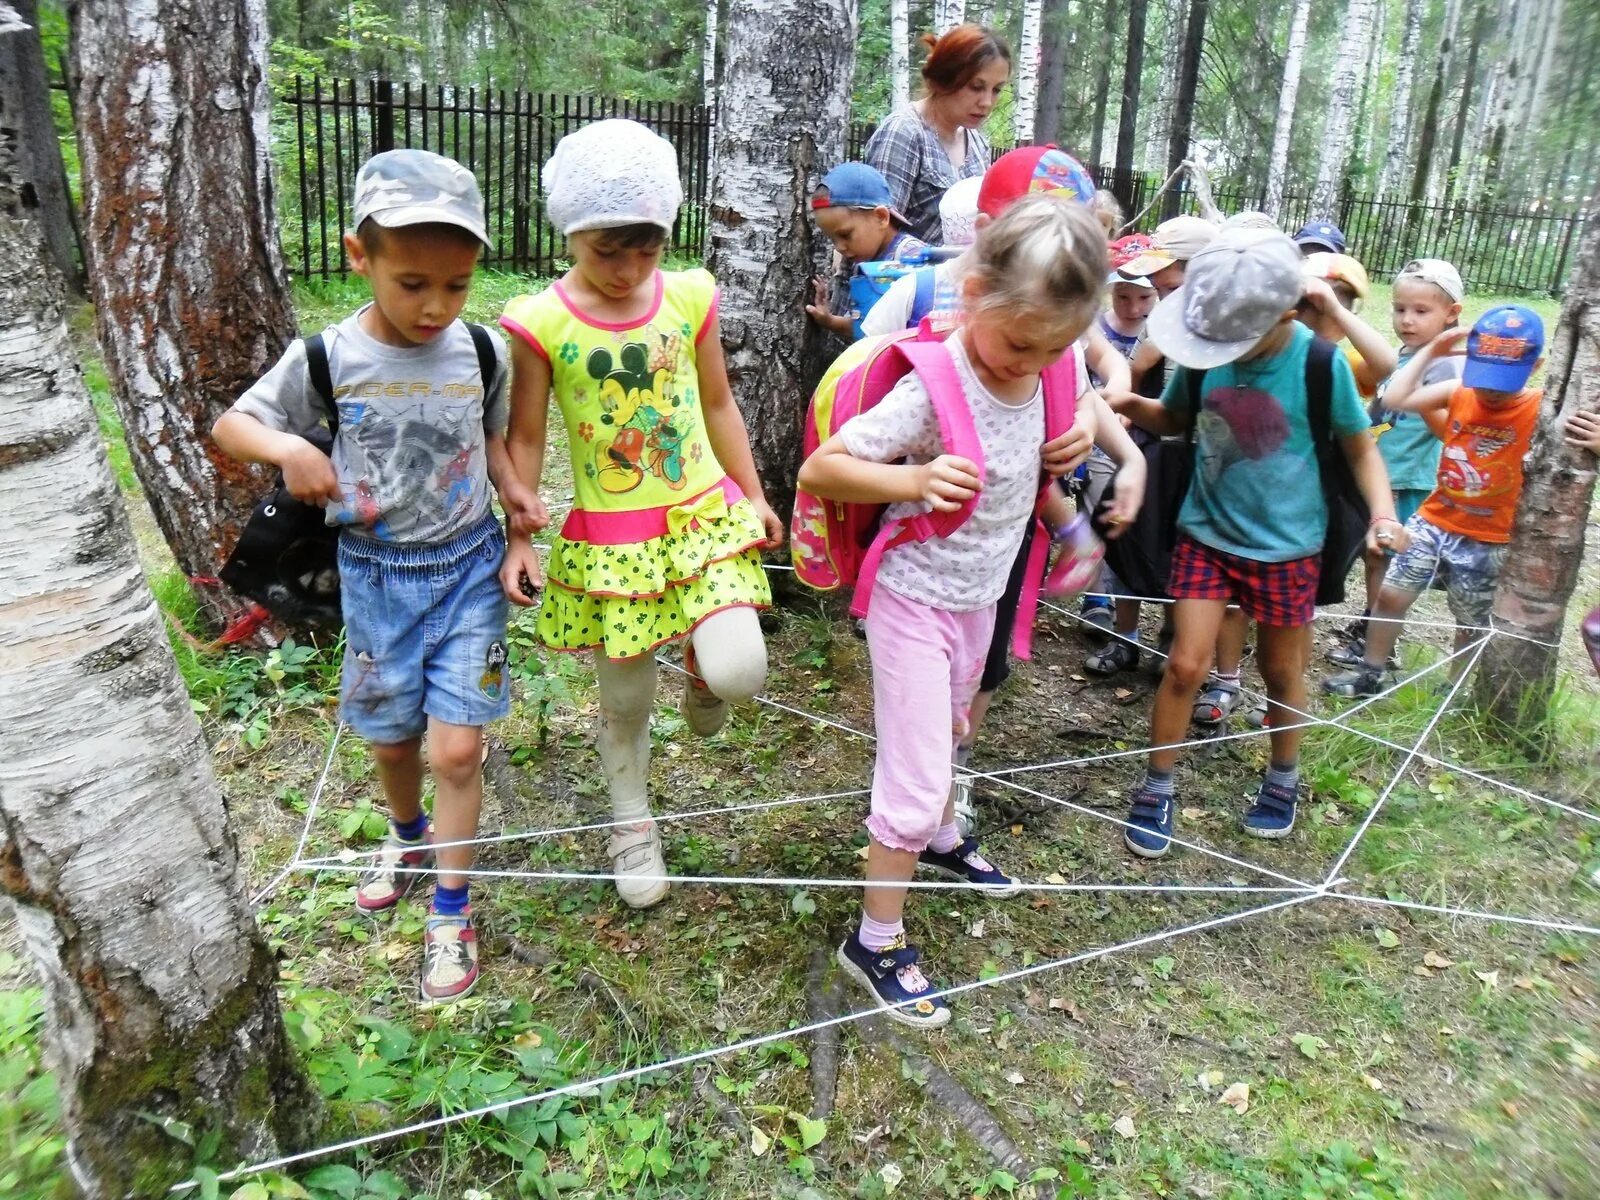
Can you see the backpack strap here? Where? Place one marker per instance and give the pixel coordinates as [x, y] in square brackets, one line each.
[1195, 383]
[488, 361]
[922, 300]
[321, 377]
[937, 370]
[1319, 393]
[1059, 383]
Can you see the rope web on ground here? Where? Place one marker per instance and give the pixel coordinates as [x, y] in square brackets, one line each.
[1280, 893]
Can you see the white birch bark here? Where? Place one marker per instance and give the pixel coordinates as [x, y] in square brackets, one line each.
[783, 108]
[1283, 129]
[1544, 66]
[1025, 97]
[708, 57]
[1338, 129]
[947, 14]
[1367, 134]
[899, 53]
[1397, 153]
[114, 847]
[1429, 142]
[1174, 16]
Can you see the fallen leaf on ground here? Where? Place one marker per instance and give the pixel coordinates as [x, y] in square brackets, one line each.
[976, 929]
[529, 1040]
[1524, 983]
[1123, 693]
[1387, 938]
[1194, 814]
[1422, 972]
[1209, 1079]
[1489, 979]
[1056, 877]
[1583, 1056]
[760, 1143]
[1066, 1006]
[1237, 1097]
[1510, 1108]
[1016, 830]
[1014, 1078]
[1123, 1126]
[892, 1176]
[1373, 1082]
[1437, 961]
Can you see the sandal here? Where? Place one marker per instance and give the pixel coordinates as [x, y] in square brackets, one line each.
[1116, 655]
[1215, 703]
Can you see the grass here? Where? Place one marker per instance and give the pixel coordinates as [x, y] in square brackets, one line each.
[1388, 1053]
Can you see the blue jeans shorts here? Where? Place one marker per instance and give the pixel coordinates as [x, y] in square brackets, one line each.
[1465, 567]
[425, 634]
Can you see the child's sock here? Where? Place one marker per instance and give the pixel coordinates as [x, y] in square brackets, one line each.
[1159, 782]
[946, 839]
[877, 935]
[1286, 777]
[1229, 678]
[631, 810]
[450, 901]
[412, 830]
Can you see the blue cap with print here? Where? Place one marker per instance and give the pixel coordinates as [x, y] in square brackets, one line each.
[1503, 348]
[1321, 233]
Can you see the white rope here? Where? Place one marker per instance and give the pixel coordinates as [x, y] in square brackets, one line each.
[751, 1043]
[311, 815]
[1476, 914]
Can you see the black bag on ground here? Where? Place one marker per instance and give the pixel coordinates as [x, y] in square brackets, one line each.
[286, 559]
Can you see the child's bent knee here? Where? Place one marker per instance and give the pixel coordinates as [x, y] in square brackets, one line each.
[736, 678]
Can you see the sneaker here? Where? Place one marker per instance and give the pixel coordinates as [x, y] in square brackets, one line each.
[1150, 823]
[1354, 631]
[1362, 680]
[895, 981]
[965, 864]
[385, 885]
[705, 711]
[1116, 655]
[637, 863]
[1353, 653]
[1099, 619]
[449, 958]
[1272, 815]
[961, 800]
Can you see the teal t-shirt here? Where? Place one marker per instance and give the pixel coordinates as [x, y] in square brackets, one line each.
[1409, 448]
[1256, 490]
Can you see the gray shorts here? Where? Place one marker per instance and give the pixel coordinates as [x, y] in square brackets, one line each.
[1466, 567]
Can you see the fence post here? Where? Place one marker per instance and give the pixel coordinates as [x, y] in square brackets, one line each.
[1573, 223]
[382, 104]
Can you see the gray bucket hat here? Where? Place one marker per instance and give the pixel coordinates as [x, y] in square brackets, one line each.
[1234, 292]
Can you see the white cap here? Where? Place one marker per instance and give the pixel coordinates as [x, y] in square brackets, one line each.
[610, 174]
[1233, 293]
[958, 211]
[1436, 271]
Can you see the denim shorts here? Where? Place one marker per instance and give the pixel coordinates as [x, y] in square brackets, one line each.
[1465, 567]
[425, 633]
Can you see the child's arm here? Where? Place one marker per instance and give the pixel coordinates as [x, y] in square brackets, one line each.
[525, 510]
[526, 433]
[820, 310]
[1127, 489]
[307, 472]
[833, 473]
[1583, 431]
[1145, 358]
[1408, 379]
[1148, 413]
[1378, 358]
[1106, 361]
[1372, 477]
[725, 430]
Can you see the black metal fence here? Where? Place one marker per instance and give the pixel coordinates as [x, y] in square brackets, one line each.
[326, 127]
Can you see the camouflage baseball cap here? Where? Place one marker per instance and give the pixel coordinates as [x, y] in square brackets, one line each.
[417, 187]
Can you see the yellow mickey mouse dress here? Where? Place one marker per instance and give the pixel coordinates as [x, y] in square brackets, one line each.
[659, 537]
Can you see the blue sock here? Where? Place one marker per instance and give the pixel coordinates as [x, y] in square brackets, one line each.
[1159, 782]
[450, 901]
[412, 830]
[1285, 777]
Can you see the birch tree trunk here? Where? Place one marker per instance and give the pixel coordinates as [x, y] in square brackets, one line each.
[947, 14]
[1452, 169]
[1054, 41]
[782, 113]
[1394, 158]
[1128, 111]
[185, 270]
[1544, 65]
[1428, 130]
[708, 57]
[1288, 92]
[1102, 80]
[1339, 127]
[899, 52]
[1158, 133]
[1360, 159]
[115, 852]
[1516, 678]
[1025, 97]
[22, 74]
[1194, 38]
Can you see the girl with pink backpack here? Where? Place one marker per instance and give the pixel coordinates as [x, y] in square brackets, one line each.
[1032, 287]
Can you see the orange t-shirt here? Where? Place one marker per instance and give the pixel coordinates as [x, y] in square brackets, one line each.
[1480, 468]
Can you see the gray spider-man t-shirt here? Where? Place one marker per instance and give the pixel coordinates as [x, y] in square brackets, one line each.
[410, 452]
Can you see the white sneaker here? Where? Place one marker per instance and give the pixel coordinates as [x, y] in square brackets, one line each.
[637, 863]
[961, 798]
[705, 711]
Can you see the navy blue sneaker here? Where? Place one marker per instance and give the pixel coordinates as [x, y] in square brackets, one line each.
[966, 865]
[1149, 823]
[1272, 815]
[895, 981]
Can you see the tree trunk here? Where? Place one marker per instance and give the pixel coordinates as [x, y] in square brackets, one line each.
[1545, 63]
[899, 52]
[1055, 39]
[22, 76]
[1516, 678]
[708, 57]
[1158, 130]
[187, 278]
[947, 14]
[1360, 160]
[1025, 98]
[782, 112]
[1394, 158]
[1194, 39]
[1428, 131]
[1282, 131]
[1452, 169]
[1102, 81]
[1505, 114]
[1128, 114]
[114, 845]
[1337, 131]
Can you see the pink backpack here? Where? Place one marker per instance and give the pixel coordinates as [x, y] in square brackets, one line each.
[835, 544]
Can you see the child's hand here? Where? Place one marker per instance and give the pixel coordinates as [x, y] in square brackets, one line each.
[1127, 497]
[1321, 295]
[820, 309]
[1387, 536]
[525, 510]
[1062, 456]
[309, 476]
[1583, 431]
[520, 574]
[1450, 341]
[770, 522]
[948, 482]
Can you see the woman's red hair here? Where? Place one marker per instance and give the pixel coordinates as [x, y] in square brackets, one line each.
[959, 55]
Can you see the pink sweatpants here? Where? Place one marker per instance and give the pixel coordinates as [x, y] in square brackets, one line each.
[926, 664]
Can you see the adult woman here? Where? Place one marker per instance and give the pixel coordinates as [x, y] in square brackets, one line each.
[934, 142]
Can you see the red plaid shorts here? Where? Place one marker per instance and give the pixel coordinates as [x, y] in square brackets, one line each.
[1273, 593]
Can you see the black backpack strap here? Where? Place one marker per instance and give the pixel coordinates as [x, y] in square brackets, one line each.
[1195, 381]
[488, 361]
[321, 377]
[1319, 392]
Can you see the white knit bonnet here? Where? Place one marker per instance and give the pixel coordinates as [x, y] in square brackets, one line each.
[612, 173]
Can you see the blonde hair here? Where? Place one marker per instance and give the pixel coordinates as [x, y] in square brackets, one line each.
[1043, 255]
[1106, 205]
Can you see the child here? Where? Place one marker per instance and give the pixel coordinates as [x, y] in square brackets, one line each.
[1252, 525]
[663, 540]
[852, 207]
[1427, 301]
[1320, 237]
[1461, 530]
[1031, 288]
[420, 438]
[1108, 211]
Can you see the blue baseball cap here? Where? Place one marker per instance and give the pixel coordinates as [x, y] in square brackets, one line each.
[1503, 348]
[856, 185]
[1322, 234]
